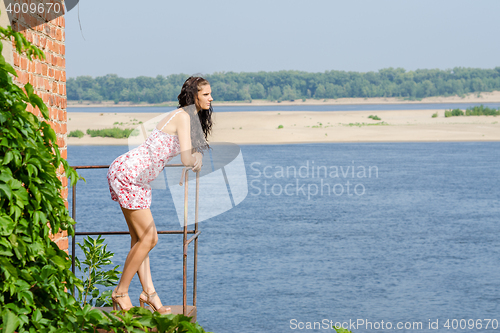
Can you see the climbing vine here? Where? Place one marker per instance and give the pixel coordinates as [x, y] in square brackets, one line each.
[35, 274]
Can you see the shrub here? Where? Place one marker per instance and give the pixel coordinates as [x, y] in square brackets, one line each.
[434, 115]
[481, 111]
[96, 257]
[280, 126]
[114, 132]
[76, 134]
[374, 117]
[453, 113]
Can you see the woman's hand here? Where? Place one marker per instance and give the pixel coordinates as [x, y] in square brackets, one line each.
[198, 163]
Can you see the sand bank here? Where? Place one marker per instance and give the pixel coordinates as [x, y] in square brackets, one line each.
[485, 97]
[309, 127]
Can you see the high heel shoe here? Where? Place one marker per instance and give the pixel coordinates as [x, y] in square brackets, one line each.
[162, 310]
[116, 303]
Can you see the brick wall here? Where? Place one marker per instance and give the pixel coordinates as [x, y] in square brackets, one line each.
[48, 78]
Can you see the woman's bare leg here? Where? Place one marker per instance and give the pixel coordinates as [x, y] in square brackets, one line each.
[143, 231]
[144, 272]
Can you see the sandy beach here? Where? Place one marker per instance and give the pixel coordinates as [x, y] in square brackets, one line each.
[270, 127]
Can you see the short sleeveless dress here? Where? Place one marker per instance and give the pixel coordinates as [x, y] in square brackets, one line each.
[130, 174]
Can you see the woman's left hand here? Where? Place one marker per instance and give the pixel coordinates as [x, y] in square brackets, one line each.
[198, 163]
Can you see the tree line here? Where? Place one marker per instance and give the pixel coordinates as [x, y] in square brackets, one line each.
[291, 85]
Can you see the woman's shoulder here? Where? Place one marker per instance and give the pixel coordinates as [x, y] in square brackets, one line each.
[180, 112]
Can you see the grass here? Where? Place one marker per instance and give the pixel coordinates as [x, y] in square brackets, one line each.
[382, 123]
[374, 117]
[114, 132]
[76, 134]
[132, 122]
[280, 126]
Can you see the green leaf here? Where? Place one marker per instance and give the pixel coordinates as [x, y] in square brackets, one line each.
[8, 157]
[10, 322]
[6, 225]
[5, 189]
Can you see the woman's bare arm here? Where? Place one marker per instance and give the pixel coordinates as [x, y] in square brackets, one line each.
[188, 158]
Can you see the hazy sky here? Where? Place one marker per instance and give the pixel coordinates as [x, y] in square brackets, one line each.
[162, 37]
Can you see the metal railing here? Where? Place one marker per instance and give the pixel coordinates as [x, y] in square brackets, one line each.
[185, 231]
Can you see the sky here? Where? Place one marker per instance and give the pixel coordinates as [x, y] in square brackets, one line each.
[163, 37]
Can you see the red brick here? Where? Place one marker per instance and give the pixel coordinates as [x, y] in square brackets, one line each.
[53, 113]
[64, 192]
[62, 115]
[62, 243]
[27, 34]
[51, 72]
[25, 77]
[64, 103]
[63, 78]
[64, 181]
[64, 128]
[24, 63]
[16, 59]
[61, 142]
[46, 84]
[44, 69]
[54, 87]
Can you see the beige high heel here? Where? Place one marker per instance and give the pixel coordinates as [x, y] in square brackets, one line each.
[116, 303]
[162, 310]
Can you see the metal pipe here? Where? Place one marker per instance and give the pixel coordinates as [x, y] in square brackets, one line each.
[193, 238]
[164, 232]
[195, 256]
[73, 246]
[184, 245]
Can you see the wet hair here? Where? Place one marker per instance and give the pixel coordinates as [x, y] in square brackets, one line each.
[188, 95]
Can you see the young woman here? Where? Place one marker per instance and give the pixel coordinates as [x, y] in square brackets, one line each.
[130, 174]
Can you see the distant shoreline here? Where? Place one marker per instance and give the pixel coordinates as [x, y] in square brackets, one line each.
[486, 97]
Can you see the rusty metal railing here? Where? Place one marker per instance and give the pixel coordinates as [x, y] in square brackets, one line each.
[185, 231]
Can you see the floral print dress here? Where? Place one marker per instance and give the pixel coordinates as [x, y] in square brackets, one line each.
[130, 174]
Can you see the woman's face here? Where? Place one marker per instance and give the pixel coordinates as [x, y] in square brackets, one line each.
[204, 98]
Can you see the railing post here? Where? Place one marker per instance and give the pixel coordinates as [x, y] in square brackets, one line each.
[185, 245]
[195, 259]
[73, 246]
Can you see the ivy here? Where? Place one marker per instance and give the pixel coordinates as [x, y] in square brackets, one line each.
[35, 274]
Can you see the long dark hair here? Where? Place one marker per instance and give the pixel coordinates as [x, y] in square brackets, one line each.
[187, 97]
